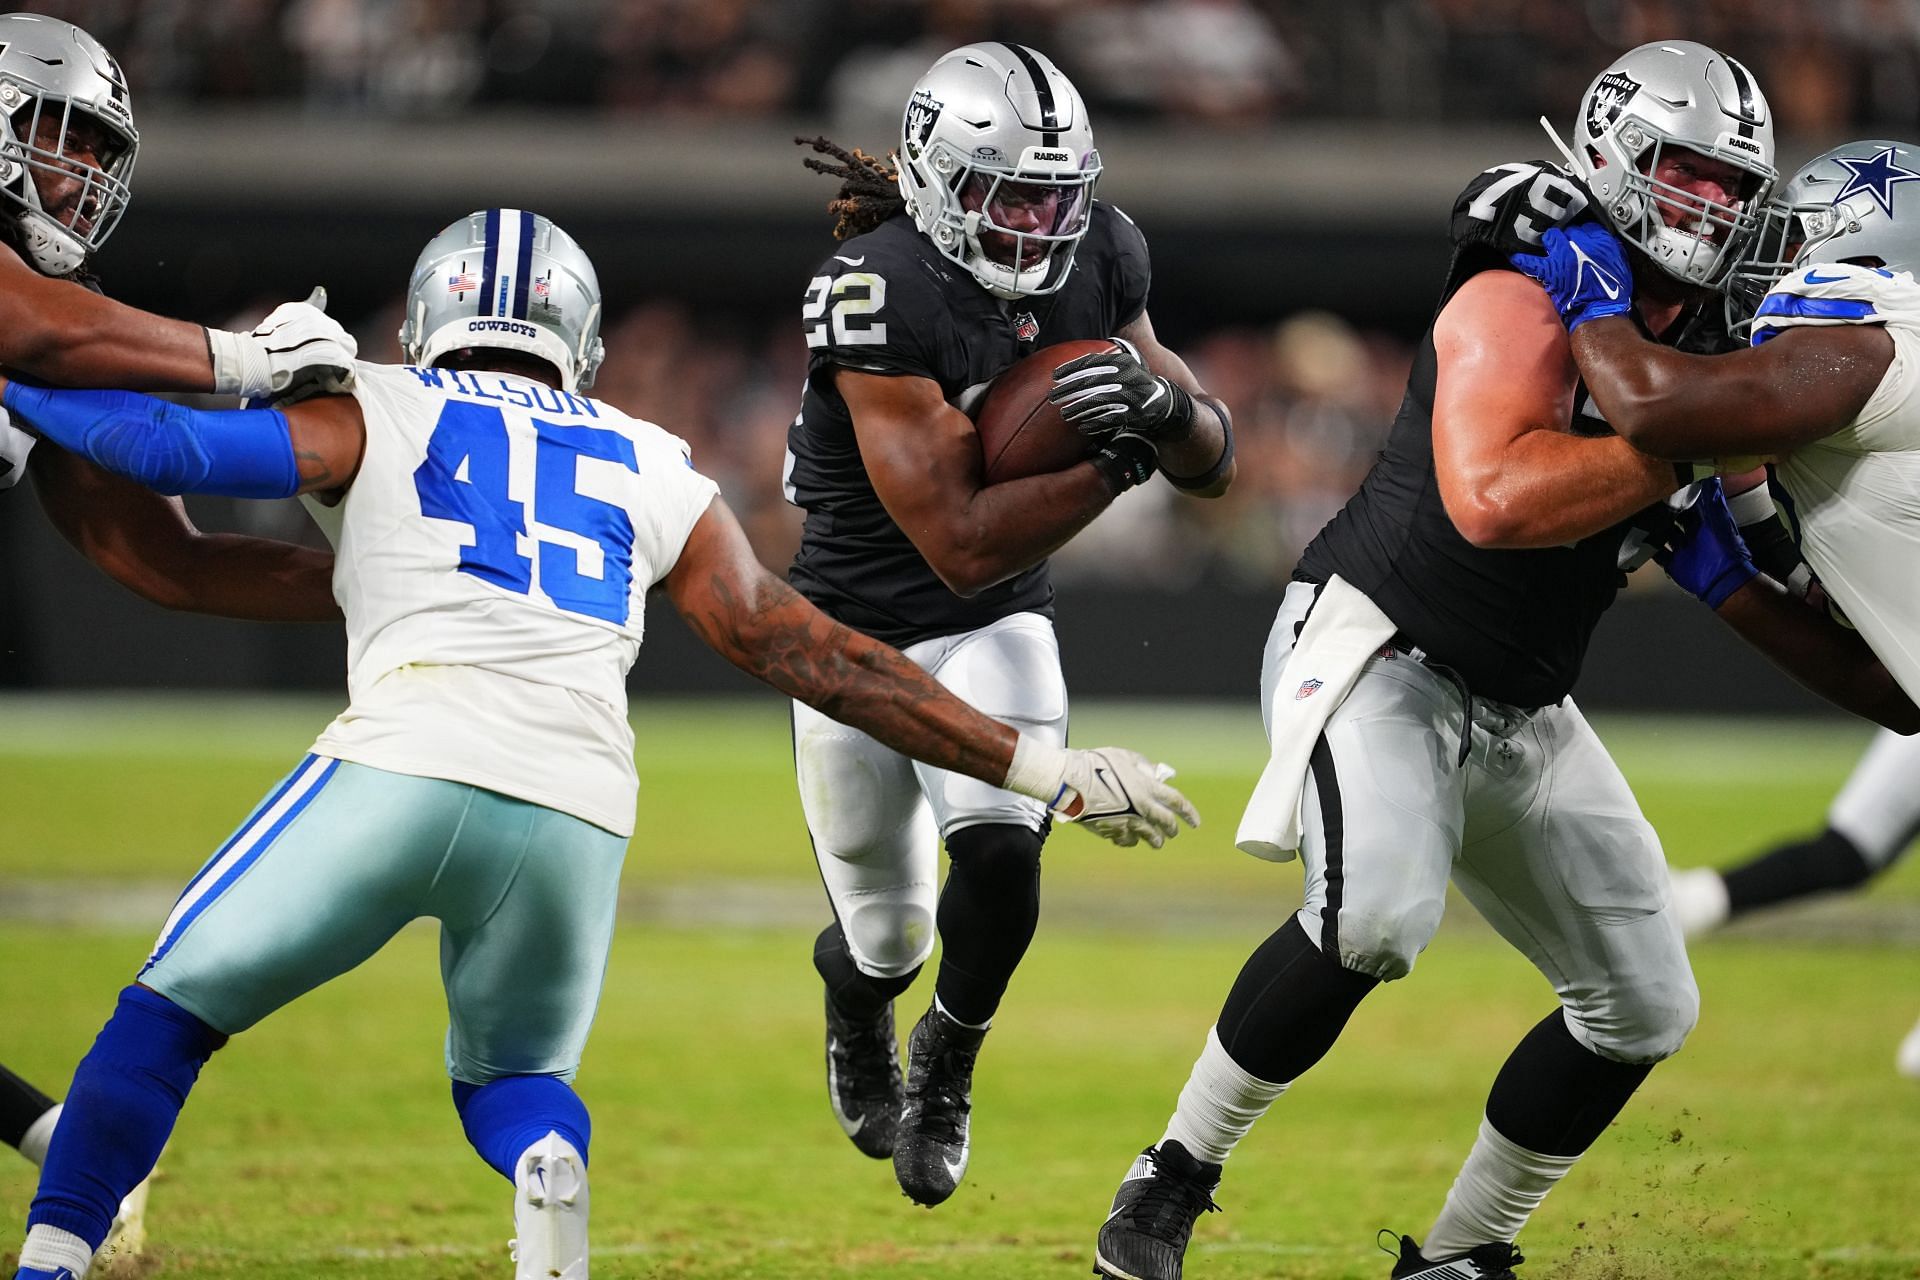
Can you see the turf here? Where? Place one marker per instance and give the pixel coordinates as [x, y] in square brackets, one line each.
[322, 1144]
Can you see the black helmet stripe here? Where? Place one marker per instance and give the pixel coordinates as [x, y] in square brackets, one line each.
[1743, 85]
[1049, 118]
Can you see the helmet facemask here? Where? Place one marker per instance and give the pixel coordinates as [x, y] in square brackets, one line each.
[1020, 230]
[1703, 243]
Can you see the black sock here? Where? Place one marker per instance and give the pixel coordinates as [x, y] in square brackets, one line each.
[1288, 1006]
[988, 912]
[20, 1105]
[1827, 862]
[858, 995]
[1555, 1095]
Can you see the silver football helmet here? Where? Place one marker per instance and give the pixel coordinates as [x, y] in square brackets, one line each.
[1842, 205]
[997, 166]
[1662, 96]
[64, 120]
[509, 279]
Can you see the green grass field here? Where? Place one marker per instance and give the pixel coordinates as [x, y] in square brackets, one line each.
[1780, 1143]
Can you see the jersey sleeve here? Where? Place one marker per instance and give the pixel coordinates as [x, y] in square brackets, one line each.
[1506, 209]
[1836, 293]
[1132, 269]
[676, 499]
[873, 311]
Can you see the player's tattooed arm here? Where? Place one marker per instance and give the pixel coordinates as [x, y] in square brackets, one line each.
[1510, 473]
[1819, 653]
[147, 543]
[767, 629]
[1801, 385]
[923, 457]
[1205, 453]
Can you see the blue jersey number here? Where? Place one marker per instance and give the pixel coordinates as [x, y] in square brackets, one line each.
[464, 479]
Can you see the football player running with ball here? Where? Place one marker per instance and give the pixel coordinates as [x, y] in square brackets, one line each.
[1416, 690]
[1830, 391]
[497, 532]
[983, 245]
[67, 150]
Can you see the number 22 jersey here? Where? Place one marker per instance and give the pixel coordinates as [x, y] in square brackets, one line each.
[492, 557]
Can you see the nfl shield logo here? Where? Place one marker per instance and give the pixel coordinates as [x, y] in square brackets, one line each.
[1025, 327]
[543, 288]
[1307, 689]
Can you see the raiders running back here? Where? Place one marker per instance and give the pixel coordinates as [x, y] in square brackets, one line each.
[886, 302]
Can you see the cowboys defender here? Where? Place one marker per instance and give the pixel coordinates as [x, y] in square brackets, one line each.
[67, 149]
[1416, 683]
[498, 534]
[984, 245]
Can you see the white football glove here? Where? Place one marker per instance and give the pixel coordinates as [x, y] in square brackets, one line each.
[1117, 794]
[15, 445]
[297, 351]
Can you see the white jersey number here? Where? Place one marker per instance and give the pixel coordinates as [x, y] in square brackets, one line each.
[853, 297]
[464, 479]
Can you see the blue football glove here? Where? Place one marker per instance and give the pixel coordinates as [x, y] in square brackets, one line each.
[1114, 391]
[1706, 554]
[1584, 270]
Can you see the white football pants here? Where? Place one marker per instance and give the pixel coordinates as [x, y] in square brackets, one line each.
[877, 817]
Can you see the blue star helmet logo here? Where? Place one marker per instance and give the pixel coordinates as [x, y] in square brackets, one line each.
[1877, 176]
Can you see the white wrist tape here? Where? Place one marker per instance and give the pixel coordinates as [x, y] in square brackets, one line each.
[1039, 770]
[1751, 506]
[240, 364]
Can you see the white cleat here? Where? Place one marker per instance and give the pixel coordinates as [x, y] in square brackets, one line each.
[550, 1212]
[1699, 899]
[1907, 1060]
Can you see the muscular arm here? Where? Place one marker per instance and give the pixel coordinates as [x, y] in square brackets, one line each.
[1510, 473]
[1805, 383]
[923, 457]
[62, 332]
[764, 627]
[1819, 654]
[1201, 450]
[146, 543]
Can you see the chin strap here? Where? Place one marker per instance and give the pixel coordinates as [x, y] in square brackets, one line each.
[55, 251]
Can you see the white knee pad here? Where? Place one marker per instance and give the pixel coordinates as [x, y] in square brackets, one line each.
[888, 938]
[1643, 1025]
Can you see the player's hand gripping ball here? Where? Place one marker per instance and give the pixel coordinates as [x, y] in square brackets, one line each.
[1110, 391]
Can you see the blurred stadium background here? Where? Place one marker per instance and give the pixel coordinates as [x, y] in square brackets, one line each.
[1292, 163]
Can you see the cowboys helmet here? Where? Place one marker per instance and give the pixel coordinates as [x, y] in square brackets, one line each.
[506, 279]
[55, 77]
[1675, 94]
[997, 166]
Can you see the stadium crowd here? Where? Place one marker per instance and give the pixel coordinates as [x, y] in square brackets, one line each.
[1829, 63]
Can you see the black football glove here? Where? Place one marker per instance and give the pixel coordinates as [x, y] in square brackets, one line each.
[1114, 391]
[1125, 460]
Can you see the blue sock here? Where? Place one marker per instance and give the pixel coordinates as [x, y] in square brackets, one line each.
[125, 1097]
[506, 1116]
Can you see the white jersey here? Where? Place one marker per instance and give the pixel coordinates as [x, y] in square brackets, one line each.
[15, 445]
[493, 557]
[1857, 491]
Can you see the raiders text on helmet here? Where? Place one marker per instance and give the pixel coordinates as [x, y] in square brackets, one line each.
[1662, 96]
[506, 279]
[57, 87]
[997, 166]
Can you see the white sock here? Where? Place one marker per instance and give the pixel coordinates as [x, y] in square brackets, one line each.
[1218, 1105]
[948, 1014]
[1700, 901]
[1498, 1189]
[34, 1142]
[49, 1249]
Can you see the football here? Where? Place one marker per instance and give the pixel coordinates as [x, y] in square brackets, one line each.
[1020, 433]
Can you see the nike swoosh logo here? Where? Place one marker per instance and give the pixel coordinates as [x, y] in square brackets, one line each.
[852, 262]
[955, 1169]
[541, 1174]
[848, 1125]
[1811, 278]
[1159, 389]
[1608, 285]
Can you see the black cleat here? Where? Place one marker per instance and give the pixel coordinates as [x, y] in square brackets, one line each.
[1145, 1235]
[863, 1079]
[1494, 1261]
[930, 1157]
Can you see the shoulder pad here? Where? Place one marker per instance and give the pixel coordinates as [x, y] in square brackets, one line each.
[1833, 293]
[1507, 207]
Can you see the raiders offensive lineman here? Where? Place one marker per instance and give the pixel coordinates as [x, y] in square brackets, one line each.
[483, 774]
[985, 245]
[1416, 684]
[1828, 389]
[67, 149]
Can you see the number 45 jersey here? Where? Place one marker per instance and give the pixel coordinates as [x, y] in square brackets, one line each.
[492, 557]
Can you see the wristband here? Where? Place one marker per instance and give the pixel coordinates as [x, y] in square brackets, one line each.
[240, 364]
[1206, 478]
[1038, 770]
[1124, 461]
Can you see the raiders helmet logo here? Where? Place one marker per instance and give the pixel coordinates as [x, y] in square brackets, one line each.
[1609, 98]
[922, 111]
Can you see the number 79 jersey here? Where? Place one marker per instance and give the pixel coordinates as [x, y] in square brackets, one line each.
[492, 558]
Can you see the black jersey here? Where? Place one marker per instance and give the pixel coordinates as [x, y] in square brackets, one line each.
[1514, 624]
[887, 302]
